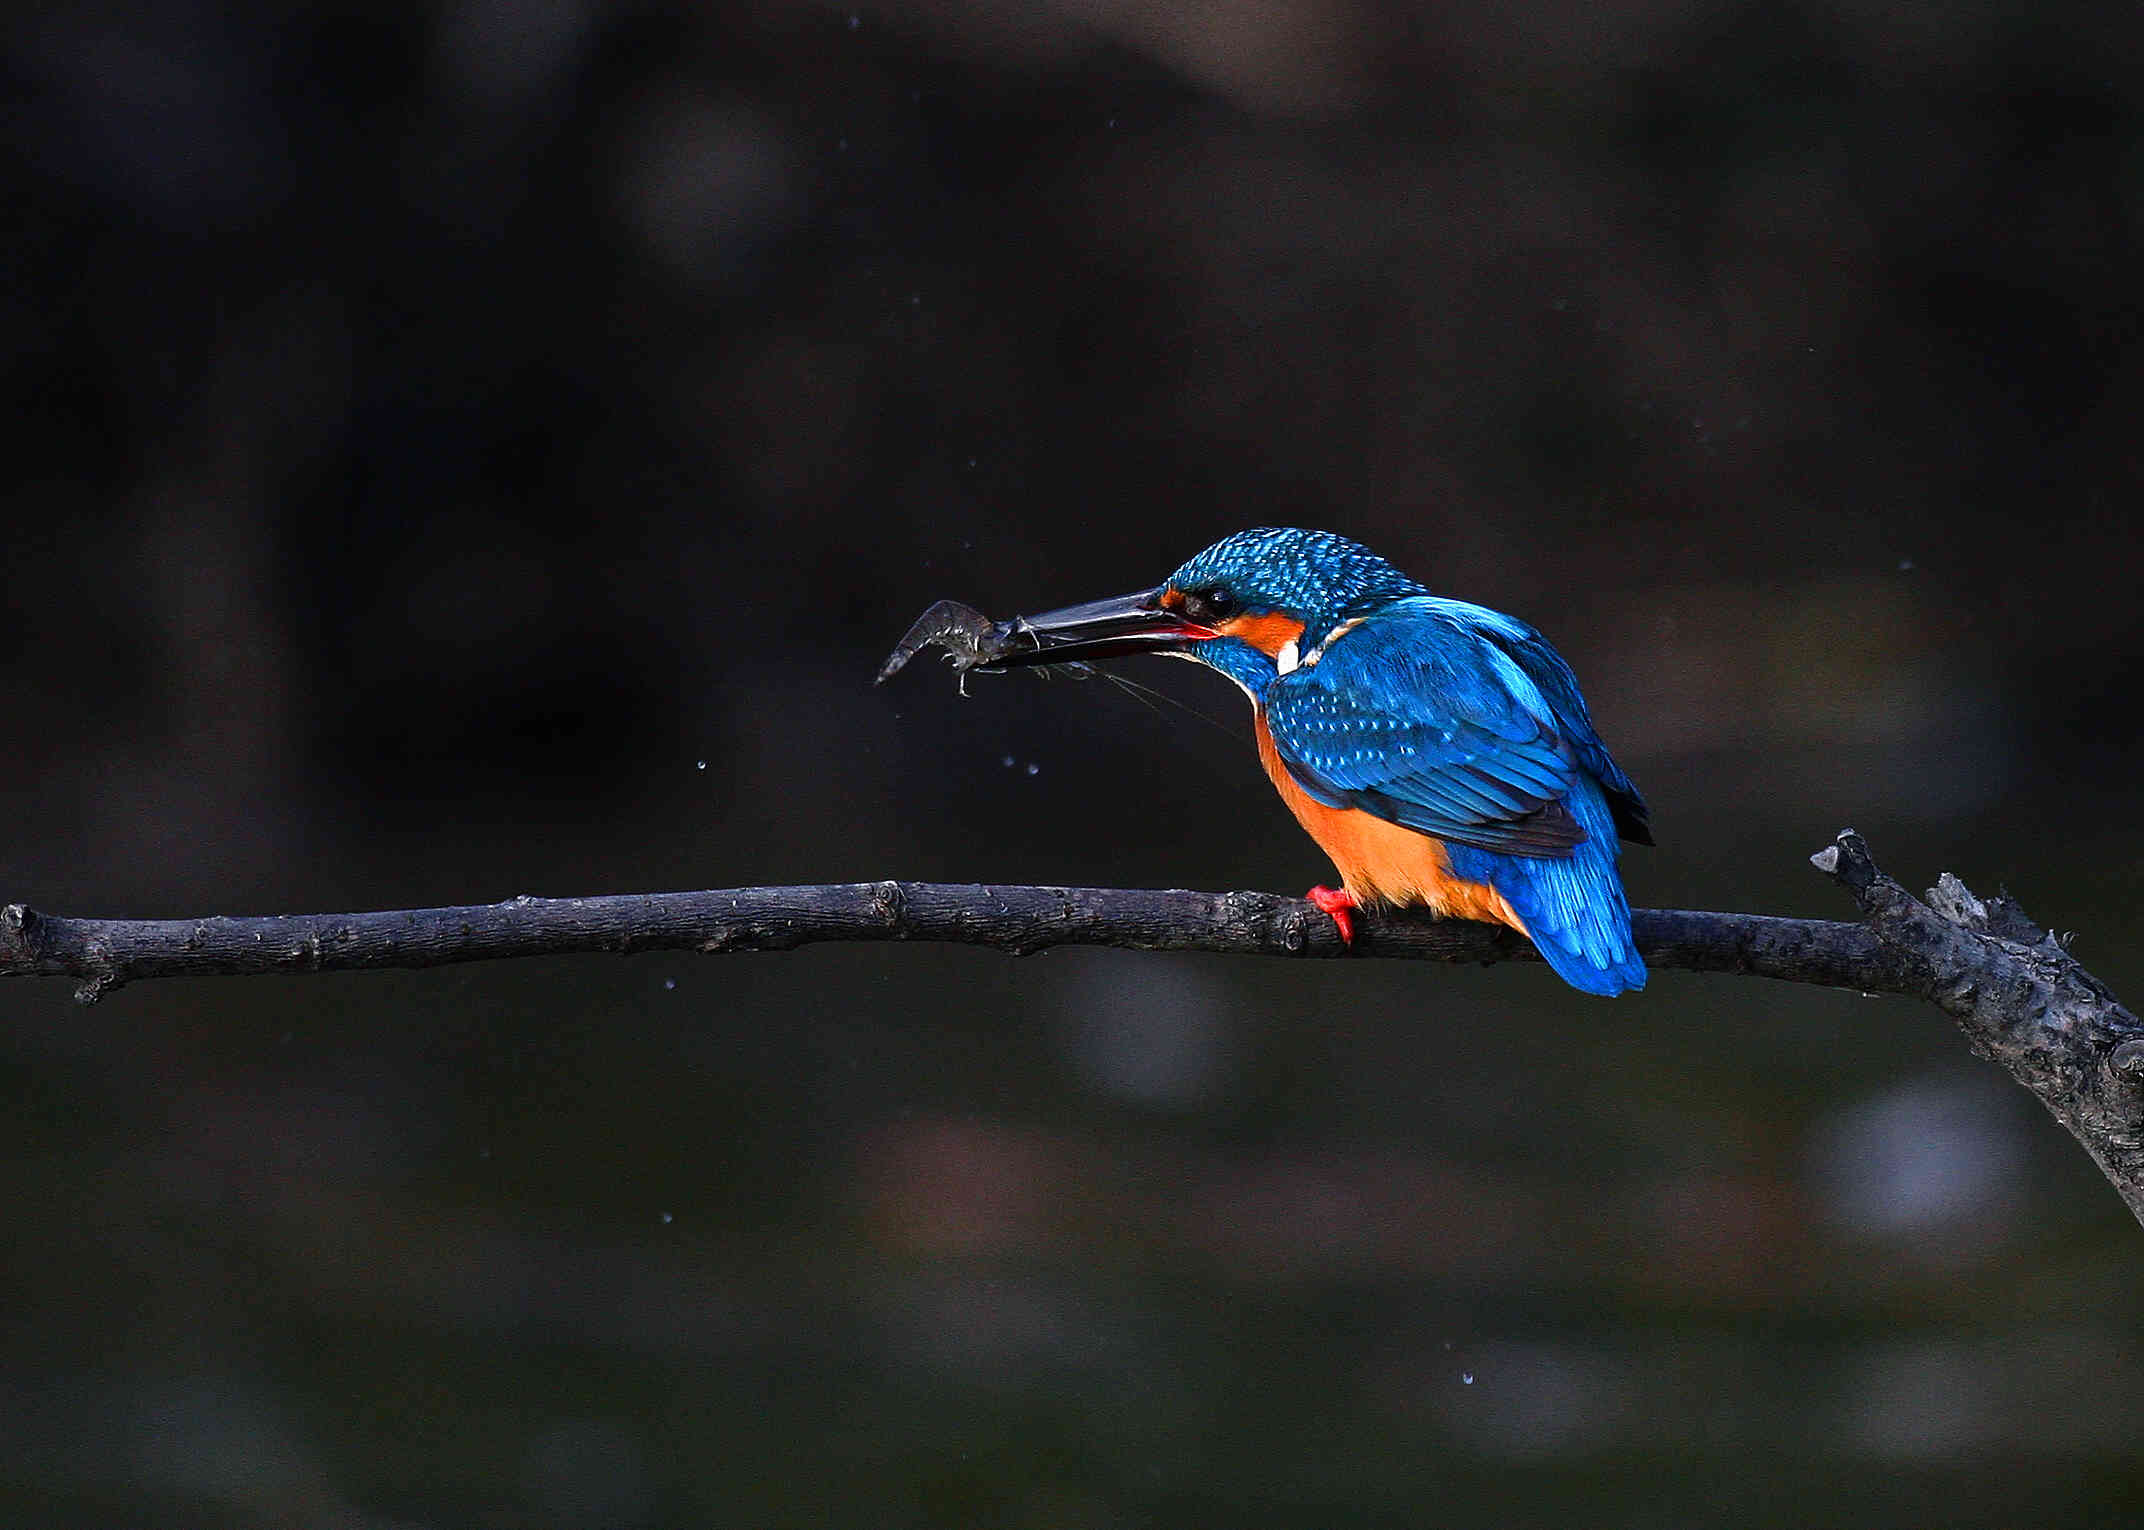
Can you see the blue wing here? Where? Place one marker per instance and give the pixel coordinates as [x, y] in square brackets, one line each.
[1464, 724]
[1559, 688]
[1420, 717]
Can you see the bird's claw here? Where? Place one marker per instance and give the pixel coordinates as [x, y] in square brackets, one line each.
[1337, 902]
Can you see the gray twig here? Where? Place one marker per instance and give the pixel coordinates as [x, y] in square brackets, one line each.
[2021, 999]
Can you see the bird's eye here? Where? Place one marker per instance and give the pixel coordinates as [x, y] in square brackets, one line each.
[1209, 606]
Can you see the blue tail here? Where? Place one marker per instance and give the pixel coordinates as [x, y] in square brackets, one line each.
[1574, 906]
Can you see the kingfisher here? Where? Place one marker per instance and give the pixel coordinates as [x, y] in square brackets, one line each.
[1439, 752]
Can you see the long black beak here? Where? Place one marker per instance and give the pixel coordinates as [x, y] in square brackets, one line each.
[1100, 629]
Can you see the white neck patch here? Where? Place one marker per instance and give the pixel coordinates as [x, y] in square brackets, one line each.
[1289, 655]
[1328, 640]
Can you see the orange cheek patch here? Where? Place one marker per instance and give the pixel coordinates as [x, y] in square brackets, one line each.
[1269, 633]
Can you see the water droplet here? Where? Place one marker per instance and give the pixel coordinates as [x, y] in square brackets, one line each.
[668, 1219]
[669, 983]
[1466, 1378]
[699, 764]
[1033, 769]
[855, 22]
[1905, 565]
[1007, 762]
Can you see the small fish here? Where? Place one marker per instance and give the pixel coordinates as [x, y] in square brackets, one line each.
[970, 639]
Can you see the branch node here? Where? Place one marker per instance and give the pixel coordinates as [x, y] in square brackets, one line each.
[1956, 902]
[18, 929]
[1847, 858]
[892, 907]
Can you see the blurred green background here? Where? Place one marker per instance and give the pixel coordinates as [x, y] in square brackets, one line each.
[486, 447]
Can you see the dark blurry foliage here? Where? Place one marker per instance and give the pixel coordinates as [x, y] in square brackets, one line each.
[485, 447]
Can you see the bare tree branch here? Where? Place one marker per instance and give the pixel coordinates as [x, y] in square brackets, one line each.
[2022, 1001]
[2020, 998]
[108, 952]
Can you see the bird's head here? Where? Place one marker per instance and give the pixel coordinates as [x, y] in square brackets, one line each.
[1253, 605]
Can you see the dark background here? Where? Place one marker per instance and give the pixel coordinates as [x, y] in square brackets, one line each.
[464, 450]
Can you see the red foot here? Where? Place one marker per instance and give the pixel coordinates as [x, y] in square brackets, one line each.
[1337, 902]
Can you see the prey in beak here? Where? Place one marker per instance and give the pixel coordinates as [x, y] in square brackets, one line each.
[1099, 629]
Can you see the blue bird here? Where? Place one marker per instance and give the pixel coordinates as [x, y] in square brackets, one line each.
[1439, 752]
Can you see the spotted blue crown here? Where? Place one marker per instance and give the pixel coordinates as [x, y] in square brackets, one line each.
[1318, 578]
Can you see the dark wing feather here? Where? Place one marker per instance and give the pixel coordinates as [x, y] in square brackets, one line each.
[1559, 688]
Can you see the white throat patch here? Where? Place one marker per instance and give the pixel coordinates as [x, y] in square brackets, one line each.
[1285, 661]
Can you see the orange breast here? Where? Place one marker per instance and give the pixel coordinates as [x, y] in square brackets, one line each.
[1381, 862]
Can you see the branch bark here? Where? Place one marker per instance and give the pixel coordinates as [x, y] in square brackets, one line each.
[2022, 1001]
